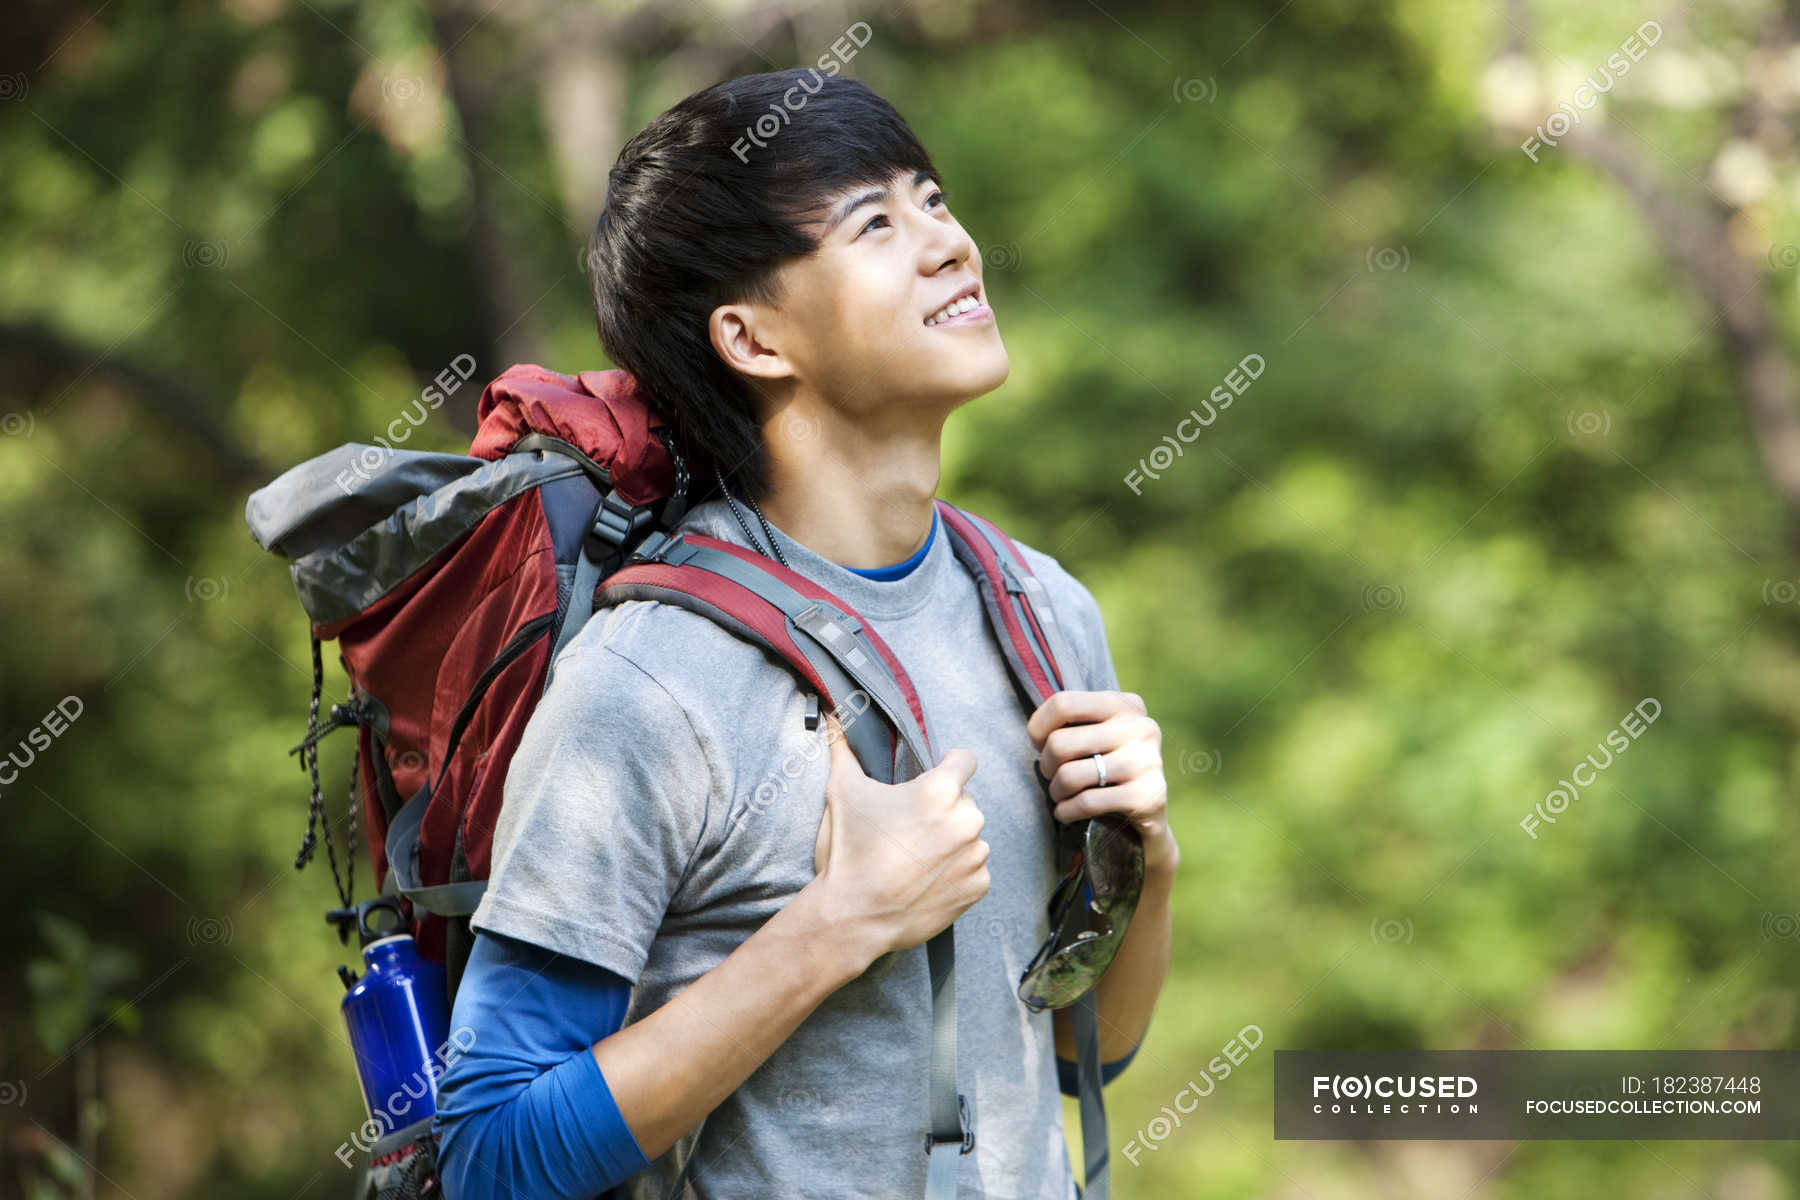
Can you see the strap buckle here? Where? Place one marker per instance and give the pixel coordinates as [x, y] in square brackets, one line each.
[616, 521]
[655, 547]
[932, 1141]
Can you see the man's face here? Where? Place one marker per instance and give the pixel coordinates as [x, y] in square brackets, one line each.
[852, 322]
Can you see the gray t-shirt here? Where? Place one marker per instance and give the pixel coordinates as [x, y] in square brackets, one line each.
[664, 802]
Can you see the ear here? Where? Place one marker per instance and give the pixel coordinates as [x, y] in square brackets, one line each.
[734, 330]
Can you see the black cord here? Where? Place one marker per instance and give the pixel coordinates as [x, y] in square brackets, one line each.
[745, 525]
[316, 818]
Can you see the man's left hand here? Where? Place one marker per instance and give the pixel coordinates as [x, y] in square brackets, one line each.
[1070, 728]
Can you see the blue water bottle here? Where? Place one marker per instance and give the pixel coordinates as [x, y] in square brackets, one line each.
[398, 1015]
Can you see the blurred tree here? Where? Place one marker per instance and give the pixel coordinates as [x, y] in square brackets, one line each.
[1718, 240]
[72, 990]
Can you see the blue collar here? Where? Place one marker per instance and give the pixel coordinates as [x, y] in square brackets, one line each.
[901, 569]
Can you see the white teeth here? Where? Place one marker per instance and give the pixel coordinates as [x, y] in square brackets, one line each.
[952, 309]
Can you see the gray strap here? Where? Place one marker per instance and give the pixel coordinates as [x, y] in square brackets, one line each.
[1086, 1027]
[445, 899]
[832, 630]
[824, 625]
[1038, 596]
[996, 598]
[950, 1138]
[581, 606]
[1084, 1020]
[873, 741]
[448, 899]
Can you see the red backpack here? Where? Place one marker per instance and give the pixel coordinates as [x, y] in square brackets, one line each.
[451, 581]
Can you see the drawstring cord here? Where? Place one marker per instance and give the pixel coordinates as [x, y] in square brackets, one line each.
[308, 749]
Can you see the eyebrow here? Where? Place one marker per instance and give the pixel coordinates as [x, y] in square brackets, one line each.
[875, 196]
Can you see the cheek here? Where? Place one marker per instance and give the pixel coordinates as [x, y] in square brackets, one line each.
[875, 295]
[815, 338]
[867, 324]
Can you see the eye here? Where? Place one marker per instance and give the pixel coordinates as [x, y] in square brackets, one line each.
[937, 194]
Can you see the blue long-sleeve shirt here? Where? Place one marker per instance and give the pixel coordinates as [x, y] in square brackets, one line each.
[526, 1111]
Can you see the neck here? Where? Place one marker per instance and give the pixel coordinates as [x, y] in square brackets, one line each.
[859, 497]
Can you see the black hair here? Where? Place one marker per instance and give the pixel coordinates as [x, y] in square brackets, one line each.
[703, 206]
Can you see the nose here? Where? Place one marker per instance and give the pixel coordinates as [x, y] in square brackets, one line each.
[943, 243]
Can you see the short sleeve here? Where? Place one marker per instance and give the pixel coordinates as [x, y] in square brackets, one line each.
[605, 803]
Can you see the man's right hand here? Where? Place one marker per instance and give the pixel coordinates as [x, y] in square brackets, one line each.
[897, 863]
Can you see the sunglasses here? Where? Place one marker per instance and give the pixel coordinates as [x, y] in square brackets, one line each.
[1090, 910]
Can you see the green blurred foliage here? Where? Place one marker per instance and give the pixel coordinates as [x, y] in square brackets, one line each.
[1493, 488]
[74, 986]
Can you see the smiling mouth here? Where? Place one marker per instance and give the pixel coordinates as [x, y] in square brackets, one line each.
[968, 310]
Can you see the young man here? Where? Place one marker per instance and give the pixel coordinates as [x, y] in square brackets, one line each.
[700, 957]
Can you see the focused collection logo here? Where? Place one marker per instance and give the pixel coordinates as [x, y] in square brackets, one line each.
[1390, 1095]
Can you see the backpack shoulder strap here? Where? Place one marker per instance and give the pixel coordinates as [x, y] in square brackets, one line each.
[1018, 605]
[828, 644]
[1036, 647]
[821, 638]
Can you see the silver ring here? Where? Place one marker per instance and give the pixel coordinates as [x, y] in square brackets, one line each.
[1100, 766]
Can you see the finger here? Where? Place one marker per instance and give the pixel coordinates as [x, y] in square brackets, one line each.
[842, 757]
[1064, 707]
[1080, 741]
[957, 764]
[1078, 772]
[1075, 775]
[971, 812]
[822, 842]
[975, 856]
[1129, 798]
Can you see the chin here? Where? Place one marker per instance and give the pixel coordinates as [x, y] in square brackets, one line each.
[980, 374]
[944, 382]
